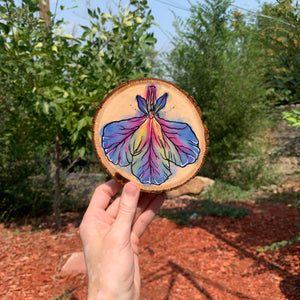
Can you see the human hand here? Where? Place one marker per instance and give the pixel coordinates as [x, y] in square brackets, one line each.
[110, 237]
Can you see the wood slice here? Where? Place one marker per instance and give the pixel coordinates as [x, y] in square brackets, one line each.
[150, 132]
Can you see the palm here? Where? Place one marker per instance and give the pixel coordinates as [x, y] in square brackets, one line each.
[115, 237]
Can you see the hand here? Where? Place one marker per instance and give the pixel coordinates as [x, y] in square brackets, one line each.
[110, 237]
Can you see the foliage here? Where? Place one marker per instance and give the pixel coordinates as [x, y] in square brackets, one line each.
[51, 83]
[155, 59]
[62, 76]
[280, 39]
[215, 60]
[252, 169]
[21, 159]
[21, 193]
[293, 117]
[65, 295]
[297, 205]
[278, 245]
[222, 191]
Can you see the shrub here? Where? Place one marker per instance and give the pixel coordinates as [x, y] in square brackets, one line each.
[215, 60]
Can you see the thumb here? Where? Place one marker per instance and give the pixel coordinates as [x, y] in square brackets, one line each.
[127, 207]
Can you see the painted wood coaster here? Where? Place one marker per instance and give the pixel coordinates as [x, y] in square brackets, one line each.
[150, 132]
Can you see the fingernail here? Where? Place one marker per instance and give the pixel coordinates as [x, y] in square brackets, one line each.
[131, 189]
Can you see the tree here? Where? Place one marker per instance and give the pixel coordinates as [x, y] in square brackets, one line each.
[280, 39]
[55, 80]
[215, 59]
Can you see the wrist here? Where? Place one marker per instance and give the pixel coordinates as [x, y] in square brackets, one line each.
[104, 294]
[98, 294]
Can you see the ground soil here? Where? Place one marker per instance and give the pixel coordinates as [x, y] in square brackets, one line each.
[210, 258]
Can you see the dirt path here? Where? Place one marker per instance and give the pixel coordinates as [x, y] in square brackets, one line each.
[210, 258]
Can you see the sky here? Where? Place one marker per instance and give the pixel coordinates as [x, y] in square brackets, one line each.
[162, 10]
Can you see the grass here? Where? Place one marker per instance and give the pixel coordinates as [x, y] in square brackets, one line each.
[287, 196]
[222, 191]
[206, 207]
[278, 245]
[217, 202]
[65, 295]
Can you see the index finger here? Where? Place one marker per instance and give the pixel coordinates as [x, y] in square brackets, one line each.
[103, 194]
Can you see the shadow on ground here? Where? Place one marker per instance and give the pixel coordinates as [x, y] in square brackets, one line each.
[253, 224]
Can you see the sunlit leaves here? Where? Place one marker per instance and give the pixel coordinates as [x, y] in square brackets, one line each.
[57, 79]
[54, 48]
[68, 36]
[215, 59]
[38, 45]
[293, 117]
[52, 81]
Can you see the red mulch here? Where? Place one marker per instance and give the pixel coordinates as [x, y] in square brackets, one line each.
[211, 258]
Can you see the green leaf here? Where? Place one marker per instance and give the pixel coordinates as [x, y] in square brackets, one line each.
[106, 16]
[45, 107]
[293, 117]
[54, 49]
[102, 36]
[21, 43]
[39, 45]
[138, 20]
[81, 124]
[89, 134]
[115, 29]
[1, 42]
[4, 27]
[128, 23]
[33, 7]
[150, 40]
[68, 36]
[58, 113]
[81, 152]
[90, 12]
[75, 136]
[61, 90]
[60, 100]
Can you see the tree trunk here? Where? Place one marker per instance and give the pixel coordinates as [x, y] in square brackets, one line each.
[57, 183]
[44, 8]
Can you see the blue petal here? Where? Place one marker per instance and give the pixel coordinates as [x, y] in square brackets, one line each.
[116, 138]
[182, 145]
[160, 102]
[142, 104]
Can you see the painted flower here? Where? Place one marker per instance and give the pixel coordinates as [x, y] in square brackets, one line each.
[148, 143]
